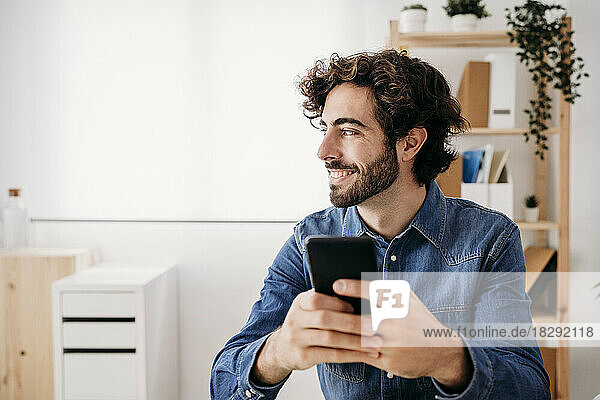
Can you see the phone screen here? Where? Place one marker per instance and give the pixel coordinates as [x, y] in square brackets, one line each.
[333, 258]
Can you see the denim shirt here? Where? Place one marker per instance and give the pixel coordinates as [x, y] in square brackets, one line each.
[447, 234]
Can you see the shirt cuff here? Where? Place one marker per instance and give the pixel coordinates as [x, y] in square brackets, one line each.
[481, 382]
[248, 389]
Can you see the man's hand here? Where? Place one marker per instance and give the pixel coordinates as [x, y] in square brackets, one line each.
[400, 343]
[317, 329]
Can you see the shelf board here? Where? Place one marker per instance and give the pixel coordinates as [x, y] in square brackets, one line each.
[541, 225]
[452, 39]
[536, 260]
[507, 131]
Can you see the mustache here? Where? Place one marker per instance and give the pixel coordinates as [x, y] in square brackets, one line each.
[338, 165]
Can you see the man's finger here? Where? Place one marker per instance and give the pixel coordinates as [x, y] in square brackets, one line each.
[328, 355]
[340, 340]
[358, 288]
[352, 288]
[336, 321]
[318, 301]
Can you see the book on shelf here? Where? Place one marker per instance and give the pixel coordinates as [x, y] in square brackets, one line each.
[471, 164]
[498, 165]
[483, 176]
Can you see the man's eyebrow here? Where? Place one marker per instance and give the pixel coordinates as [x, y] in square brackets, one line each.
[344, 120]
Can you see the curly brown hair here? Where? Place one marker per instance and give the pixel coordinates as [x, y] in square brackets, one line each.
[407, 92]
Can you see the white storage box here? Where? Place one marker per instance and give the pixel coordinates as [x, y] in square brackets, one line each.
[510, 90]
[498, 196]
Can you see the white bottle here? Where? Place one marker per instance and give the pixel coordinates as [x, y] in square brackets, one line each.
[15, 221]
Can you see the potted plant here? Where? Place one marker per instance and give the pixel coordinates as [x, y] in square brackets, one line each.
[412, 18]
[546, 48]
[532, 211]
[464, 14]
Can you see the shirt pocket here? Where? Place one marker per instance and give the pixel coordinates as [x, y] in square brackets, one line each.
[351, 372]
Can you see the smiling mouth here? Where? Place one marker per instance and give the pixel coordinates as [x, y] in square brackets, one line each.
[340, 175]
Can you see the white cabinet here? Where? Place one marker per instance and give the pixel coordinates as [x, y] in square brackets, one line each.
[115, 333]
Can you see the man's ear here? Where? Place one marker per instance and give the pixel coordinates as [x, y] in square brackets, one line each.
[410, 145]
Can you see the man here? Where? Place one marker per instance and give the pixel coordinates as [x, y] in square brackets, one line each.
[386, 119]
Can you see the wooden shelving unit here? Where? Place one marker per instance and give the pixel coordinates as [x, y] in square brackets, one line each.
[556, 358]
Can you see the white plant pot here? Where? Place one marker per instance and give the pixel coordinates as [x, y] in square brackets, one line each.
[464, 22]
[413, 20]
[532, 214]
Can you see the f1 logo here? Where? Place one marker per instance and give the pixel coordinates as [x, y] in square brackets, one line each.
[389, 299]
[381, 297]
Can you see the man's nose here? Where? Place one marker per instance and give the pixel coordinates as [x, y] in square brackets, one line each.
[329, 148]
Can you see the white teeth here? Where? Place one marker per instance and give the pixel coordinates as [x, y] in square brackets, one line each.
[339, 174]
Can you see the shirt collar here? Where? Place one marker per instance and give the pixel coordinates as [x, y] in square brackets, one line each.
[429, 220]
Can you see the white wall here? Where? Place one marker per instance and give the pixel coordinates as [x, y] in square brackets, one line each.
[165, 109]
[131, 109]
[584, 211]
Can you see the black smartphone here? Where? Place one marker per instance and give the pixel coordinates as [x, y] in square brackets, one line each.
[333, 258]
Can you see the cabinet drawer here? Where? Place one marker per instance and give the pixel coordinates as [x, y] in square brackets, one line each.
[97, 304]
[99, 376]
[98, 335]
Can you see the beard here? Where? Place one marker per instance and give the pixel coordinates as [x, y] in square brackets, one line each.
[377, 176]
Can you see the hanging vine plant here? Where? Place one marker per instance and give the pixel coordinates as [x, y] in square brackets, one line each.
[546, 47]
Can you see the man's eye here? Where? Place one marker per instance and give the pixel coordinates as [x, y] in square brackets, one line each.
[347, 132]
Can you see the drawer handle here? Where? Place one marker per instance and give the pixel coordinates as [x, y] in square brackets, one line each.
[98, 350]
[98, 319]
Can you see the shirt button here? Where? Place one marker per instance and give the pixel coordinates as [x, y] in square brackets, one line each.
[393, 258]
[390, 375]
[248, 394]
